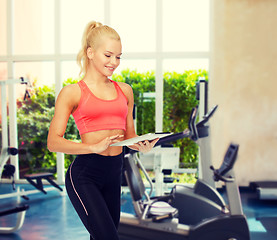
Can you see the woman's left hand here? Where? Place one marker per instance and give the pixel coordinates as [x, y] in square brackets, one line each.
[144, 146]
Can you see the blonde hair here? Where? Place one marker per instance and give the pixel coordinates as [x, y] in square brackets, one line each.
[93, 31]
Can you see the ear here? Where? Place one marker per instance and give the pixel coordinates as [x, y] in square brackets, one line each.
[90, 53]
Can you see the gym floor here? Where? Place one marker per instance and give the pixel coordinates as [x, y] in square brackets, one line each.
[52, 216]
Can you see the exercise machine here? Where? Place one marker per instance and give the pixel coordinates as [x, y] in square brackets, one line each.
[8, 169]
[156, 218]
[165, 159]
[205, 184]
[7, 152]
[266, 190]
[202, 200]
[19, 210]
[199, 133]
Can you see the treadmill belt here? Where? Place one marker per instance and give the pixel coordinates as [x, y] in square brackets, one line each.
[264, 184]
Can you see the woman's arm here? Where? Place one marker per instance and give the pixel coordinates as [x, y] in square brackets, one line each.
[130, 128]
[68, 100]
[144, 146]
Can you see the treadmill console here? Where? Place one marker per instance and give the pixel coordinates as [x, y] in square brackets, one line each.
[228, 163]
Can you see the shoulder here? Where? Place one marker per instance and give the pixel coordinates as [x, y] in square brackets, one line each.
[70, 90]
[126, 88]
[70, 94]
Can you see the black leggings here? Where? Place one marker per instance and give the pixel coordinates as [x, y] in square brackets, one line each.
[93, 184]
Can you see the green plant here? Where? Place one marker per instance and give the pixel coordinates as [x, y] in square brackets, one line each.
[35, 115]
[33, 121]
[179, 99]
[141, 83]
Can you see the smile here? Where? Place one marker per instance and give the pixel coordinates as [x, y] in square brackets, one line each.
[111, 68]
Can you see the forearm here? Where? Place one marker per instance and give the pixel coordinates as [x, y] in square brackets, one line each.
[57, 143]
[128, 136]
[130, 132]
[60, 144]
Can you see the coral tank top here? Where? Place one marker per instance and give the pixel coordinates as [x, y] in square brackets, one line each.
[94, 114]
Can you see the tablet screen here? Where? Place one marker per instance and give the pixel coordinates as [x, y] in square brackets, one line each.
[148, 136]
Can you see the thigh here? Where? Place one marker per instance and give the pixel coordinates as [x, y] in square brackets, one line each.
[112, 196]
[100, 223]
[91, 207]
[112, 188]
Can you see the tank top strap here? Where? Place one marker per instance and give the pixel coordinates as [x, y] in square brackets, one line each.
[119, 89]
[82, 85]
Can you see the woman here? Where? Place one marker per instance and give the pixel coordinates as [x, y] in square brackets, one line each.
[102, 110]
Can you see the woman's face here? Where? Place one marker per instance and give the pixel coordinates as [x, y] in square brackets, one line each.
[106, 57]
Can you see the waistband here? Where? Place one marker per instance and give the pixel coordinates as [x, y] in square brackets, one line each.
[99, 156]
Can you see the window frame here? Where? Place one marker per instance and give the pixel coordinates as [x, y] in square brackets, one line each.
[159, 56]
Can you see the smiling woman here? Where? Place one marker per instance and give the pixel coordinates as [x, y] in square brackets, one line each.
[171, 36]
[107, 54]
[102, 110]
[94, 34]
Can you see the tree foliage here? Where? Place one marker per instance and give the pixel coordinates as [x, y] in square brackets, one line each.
[35, 115]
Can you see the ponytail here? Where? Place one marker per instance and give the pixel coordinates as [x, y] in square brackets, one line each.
[92, 32]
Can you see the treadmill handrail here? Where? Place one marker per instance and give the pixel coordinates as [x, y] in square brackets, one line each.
[14, 210]
[207, 117]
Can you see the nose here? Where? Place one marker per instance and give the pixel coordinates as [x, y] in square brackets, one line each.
[114, 61]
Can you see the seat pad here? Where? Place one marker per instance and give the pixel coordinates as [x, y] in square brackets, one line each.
[161, 208]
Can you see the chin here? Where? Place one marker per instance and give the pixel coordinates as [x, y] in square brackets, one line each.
[108, 74]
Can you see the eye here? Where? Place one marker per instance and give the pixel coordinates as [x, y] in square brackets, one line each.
[107, 55]
[118, 57]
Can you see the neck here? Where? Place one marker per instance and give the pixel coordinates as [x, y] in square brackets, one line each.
[93, 76]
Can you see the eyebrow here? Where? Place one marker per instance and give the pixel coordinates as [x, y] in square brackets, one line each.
[113, 53]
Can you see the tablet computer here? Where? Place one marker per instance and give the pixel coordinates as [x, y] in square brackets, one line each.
[148, 136]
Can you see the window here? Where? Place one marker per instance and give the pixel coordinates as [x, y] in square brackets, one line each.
[33, 28]
[3, 76]
[139, 65]
[40, 39]
[3, 27]
[185, 25]
[3, 71]
[69, 69]
[184, 64]
[135, 21]
[42, 73]
[74, 16]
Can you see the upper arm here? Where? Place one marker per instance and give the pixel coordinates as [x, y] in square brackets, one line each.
[128, 91]
[66, 102]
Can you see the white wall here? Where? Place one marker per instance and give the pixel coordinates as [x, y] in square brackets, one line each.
[243, 83]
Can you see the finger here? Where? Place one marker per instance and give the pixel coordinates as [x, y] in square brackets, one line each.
[116, 136]
[146, 142]
[113, 137]
[137, 145]
[114, 141]
[119, 135]
[154, 141]
[134, 147]
[143, 143]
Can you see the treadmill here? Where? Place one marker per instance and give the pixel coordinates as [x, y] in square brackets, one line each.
[266, 190]
[155, 218]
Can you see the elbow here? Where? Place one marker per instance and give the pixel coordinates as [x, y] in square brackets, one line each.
[50, 145]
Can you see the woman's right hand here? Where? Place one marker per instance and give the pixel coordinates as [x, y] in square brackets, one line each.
[105, 143]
